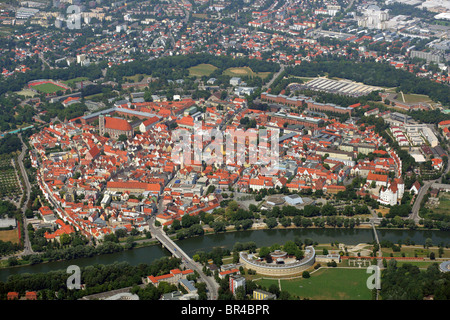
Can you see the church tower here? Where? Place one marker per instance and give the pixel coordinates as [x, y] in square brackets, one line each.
[101, 124]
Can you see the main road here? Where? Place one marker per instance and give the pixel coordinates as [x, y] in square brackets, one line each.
[27, 190]
[423, 190]
[276, 75]
[161, 236]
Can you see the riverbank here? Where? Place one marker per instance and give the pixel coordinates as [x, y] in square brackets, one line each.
[146, 251]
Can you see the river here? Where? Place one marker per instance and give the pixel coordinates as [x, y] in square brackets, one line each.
[227, 240]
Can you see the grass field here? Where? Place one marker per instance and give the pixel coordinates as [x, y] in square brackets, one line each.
[135, 78]
[412, 98]
[9, 235]
[412, 251]
[444, 204]
[328, 284]
[26, 93]
[47, 88]
[200, 15]
[94, 96]
[245, 71]
[70, 81]
[202, 70]
[384, 211]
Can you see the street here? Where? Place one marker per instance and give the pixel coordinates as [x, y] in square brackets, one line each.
[26, 243]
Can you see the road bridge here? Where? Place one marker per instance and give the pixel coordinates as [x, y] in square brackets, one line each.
[166, 242]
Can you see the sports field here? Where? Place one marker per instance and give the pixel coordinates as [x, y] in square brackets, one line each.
[48, 88]
[328, 284]
[414, 98]
[202, 70]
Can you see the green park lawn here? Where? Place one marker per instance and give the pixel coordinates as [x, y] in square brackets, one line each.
[328, 284]
[202, 70]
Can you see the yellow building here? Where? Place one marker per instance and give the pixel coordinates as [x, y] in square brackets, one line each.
[263, 295]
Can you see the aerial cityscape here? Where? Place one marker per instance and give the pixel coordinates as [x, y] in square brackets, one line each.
[227, 150]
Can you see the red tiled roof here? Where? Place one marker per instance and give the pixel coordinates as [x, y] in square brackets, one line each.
[377, 177]
[155, 187]
[117, 124]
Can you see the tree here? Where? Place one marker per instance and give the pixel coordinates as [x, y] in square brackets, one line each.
[290, 247]
[428, 243]
[176, 224]
[240, 293]
[264, 252]
[235, 256]
[64, 239]
[12, 261]
[299, 254]
[306, 274]
[271, 222]
[218, 226]
[274, 289]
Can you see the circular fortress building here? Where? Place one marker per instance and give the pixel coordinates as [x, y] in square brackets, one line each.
[282, 264]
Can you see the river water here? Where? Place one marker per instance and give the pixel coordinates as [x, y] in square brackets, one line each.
[227, 240]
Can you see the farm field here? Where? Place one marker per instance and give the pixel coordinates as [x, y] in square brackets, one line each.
[48, 88]
[245, 71]
[202, 70]
[328, 284]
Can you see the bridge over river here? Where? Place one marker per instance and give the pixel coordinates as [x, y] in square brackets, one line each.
[176, 251]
